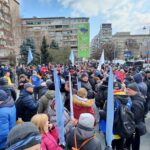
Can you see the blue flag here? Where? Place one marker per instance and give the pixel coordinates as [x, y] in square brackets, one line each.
[30, 57]
[71, 58]
[78, 84]
[59, 108]
[110, 110]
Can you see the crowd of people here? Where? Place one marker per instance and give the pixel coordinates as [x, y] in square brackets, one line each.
[28, 108]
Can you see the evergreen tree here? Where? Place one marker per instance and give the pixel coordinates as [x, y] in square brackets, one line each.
[24, 48]
[44, 52]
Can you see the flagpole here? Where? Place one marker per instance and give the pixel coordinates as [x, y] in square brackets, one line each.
[71, 98]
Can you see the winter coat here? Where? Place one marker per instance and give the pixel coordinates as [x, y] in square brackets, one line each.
[45, 100]
[138, 111]
[36, 80]
[89, 89]
[82, 134]
[26, 106]
[10, 91]
[67, 122]
[141, 85]
[80, 106]
[101, 96]
[42, 91]
[120, 75]
[7, 120]
[147, 81]
[21, 84]
[50, 141]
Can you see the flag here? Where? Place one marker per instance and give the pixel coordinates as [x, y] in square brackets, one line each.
[110, 110]
[30, 57]
[101, 61]
[59, 108]
[78, 84]
[71, 58]
[71, 99]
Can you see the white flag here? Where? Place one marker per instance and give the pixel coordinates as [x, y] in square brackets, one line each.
[101, 61]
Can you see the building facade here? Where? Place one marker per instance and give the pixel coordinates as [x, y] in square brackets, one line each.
[104, 35]
[7, 37]
[60, 29]
[134, 45]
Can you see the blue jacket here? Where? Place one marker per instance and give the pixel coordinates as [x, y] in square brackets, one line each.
[7, 122]
[26, 106]
[36, 81]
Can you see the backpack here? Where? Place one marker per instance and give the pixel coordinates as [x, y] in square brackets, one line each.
[124, 124]
[83, 144]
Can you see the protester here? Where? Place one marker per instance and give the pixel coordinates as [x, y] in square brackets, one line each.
[83, 136]
[7, 117]
[24, 136]
[36, 81]
[7, 77]
[138, 111]
[81, 104]
[48, 132]
[26, 105]
[22, 80]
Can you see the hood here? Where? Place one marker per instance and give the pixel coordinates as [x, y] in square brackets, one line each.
[83, 133]
[24, 93]
[79, 102]
[50, 94]
[8, 103]
[138, 78]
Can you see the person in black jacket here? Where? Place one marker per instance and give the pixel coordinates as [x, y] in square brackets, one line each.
[8, 89]
[84, 131]
[86, 84]
[22, 80]
[138, 111]
[26, 105]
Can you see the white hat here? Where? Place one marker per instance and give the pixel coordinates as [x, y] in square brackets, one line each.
[86, 120]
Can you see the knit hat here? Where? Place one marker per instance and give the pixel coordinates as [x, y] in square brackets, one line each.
[23, 136]
[82, 92]
[3, 96]
[27, 85]
[84, 75]
[86, 120]
[133, 86]
[3, 82]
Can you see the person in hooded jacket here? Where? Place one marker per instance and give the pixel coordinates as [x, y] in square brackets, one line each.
[101, 94]
[140, 83]
[8, 89]
[84, 131]
[26, 105]
[7, 117]
[138, 111]
[86, 84]
[147, 81]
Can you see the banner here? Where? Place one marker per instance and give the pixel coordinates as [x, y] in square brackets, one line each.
[83, 40]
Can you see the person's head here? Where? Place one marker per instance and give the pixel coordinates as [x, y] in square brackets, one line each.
[132, 89]
[22, 77]
[24, 136]
[50, 84]
[147, 71]
[84, 77]
[28, 87]
[67, 86]
[86, 120]
[3, 82]
[41, 122]
[7, 73]
[82, 92]
[117, 86]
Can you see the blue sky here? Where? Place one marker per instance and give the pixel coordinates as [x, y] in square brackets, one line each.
[125, 15]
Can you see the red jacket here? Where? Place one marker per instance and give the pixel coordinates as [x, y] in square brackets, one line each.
[50, 141]
[82, 107]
